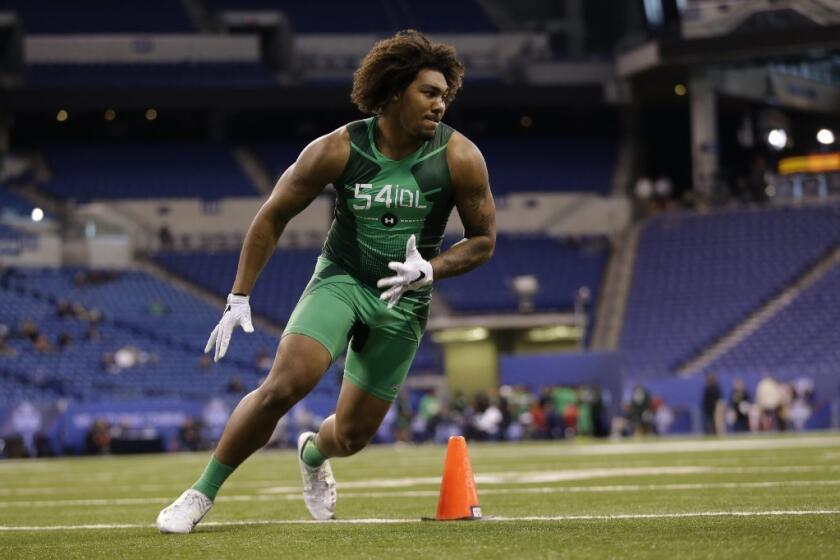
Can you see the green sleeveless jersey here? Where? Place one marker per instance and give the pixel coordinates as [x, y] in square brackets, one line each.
[381, 202]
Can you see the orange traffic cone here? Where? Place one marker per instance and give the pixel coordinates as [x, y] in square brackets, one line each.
[458, 497]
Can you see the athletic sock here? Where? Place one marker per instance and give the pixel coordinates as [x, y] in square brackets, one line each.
[311, 455]
[212, 478]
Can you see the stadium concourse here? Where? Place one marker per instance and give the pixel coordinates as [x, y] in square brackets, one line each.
[667, 265]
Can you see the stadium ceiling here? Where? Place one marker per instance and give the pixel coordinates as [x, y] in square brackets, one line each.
[817, 44]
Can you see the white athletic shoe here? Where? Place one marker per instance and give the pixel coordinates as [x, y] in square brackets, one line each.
[184, 513]
[318, 484]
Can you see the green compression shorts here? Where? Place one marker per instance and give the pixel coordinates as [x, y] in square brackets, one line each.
[341, 312]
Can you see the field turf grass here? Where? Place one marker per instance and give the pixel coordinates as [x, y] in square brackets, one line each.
[752, 497]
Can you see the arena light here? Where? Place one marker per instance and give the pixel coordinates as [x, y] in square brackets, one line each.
[554, 334]
[825, 137]
[777, 138]
[680, 90]
[474, 334]
[110, 115]
[37, 215]
[151, 114]
[62, 115]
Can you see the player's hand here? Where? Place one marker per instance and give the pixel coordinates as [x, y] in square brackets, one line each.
[237, 312]
[414, 273]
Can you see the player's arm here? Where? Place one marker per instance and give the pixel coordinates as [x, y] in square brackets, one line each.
[474, 202]
[320, 163]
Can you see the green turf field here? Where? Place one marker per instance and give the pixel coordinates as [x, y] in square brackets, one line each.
[755, 497]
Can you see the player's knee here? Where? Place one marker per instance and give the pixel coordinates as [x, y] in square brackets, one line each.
[351, 440]
[280, 396]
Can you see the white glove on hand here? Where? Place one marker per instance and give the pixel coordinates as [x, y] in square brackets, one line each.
[414, 273]
[237, 312]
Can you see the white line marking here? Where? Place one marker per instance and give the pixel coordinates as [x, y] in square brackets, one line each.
[432, 493]
[374, 521]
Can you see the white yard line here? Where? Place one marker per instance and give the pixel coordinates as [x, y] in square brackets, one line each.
[374, 521]
[162, 500]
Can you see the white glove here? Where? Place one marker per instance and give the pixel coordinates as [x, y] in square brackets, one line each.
[237, 312]
[413, 274]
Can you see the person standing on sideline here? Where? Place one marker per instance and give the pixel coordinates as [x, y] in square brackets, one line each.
[711, 402]
[397, 174]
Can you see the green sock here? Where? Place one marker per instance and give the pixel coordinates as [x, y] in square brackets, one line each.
[212, 478]
[311, 455]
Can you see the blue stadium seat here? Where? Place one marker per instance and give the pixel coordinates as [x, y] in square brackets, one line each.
[87, 172]
[698, 276]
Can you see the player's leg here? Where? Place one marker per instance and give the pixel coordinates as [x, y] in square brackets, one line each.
[315, 335]
[377, 364]
[299, 364]
[355, 422]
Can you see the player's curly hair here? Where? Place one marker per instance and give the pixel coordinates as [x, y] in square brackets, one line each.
[393, 63]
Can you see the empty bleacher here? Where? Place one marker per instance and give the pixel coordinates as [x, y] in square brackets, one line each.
[534, 164]
[800, 340]
[561, 268]
[698, 276]
[88, 172]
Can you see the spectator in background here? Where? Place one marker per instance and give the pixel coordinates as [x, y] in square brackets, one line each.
[213, 418]
[600, 426]
[205, 362]
[6, 351]
[98, 438]
[189, 436]
[711, 402]
[802, 406]
[768, 398]
[487, 420]
[42, 345]
[64, 340]
[26, 423]
[235, 385]
[641, 415]
[428, 415]
[663, 416]
[165, 238]
[263, 361]
[739, 401]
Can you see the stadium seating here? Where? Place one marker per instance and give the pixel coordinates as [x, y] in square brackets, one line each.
[175, 75]
[548, 164]
[11, 203]
[172, 341]
[697, 276]
[99, 16]
[800, 340]
[86, 172]
[560, 269]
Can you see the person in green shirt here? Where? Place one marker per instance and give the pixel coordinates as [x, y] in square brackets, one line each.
[397, 174]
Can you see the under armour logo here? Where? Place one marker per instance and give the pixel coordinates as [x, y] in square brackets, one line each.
[389, 220]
